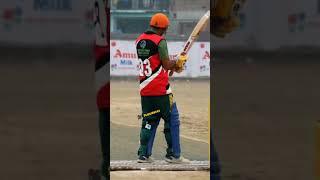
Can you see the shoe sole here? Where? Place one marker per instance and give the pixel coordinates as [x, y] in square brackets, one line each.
[142, 161]
[175, 162]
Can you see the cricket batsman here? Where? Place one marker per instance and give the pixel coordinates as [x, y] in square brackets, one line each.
[225, 20]
[102, 59]
[156, 96]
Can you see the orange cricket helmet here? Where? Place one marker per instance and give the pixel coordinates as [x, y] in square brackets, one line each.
[160, 20]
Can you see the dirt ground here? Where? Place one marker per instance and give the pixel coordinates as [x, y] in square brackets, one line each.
[264, 121]
[265, 117]
[125, 143]
[192, 99]
[49, 126]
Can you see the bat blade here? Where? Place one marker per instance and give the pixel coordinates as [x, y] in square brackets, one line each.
[195, 34]
[201, 25]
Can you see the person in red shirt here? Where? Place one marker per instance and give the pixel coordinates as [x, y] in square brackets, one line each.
[156, 95]
[102, 59]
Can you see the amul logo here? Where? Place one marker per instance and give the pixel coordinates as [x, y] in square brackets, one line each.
[11, 16]
[126, 62]
[125, 55]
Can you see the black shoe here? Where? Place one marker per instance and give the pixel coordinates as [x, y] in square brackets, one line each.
[144, 159]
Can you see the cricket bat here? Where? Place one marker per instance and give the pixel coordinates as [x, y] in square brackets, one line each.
[201, 25]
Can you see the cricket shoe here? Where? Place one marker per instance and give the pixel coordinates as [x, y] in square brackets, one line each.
[180, 160]
[144, 159]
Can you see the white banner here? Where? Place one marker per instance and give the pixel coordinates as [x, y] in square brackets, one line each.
[204, 59]
[124, 61]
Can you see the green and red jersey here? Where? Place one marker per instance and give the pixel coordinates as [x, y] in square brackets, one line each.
[154, 79]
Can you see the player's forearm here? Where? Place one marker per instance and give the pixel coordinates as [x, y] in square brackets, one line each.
[168, 64]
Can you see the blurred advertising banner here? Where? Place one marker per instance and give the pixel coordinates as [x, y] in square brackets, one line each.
[292, 23]
[124, 60]
[303, 29]
[273, 24]
[46, 21]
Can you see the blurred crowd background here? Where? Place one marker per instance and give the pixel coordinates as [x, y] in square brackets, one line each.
[129, 17]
